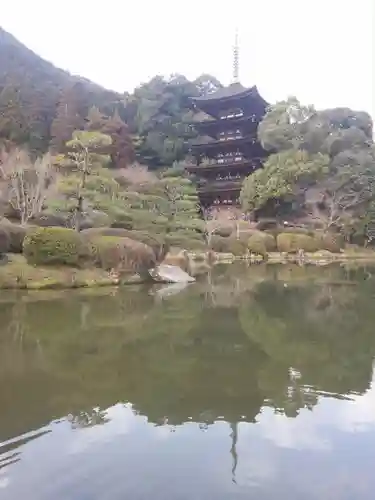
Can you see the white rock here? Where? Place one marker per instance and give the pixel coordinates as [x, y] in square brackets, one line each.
[170, 274]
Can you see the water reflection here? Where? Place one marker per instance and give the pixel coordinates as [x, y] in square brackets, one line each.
[168, 384]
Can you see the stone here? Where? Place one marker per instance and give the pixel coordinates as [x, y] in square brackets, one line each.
[165, 273]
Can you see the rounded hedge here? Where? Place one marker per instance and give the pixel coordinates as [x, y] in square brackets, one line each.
[329, 241]
[257, 245]
[4, 240]
[16, 234]
[55, 246]
[121, 253]
[220, 244]
[293, 242]
[150, 240]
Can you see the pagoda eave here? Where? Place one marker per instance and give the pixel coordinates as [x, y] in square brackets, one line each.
[243, 165]
[221, 145]
[226, 187]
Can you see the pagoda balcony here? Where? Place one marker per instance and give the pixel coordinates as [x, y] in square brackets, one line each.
[216, 186]
[224, 144]
[224, 164]
[213, 127]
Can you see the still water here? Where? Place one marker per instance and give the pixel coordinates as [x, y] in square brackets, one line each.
[253, 383]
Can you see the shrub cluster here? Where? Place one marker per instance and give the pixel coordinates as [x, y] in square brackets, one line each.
[55, 246]
[12, 236]
[292, 242]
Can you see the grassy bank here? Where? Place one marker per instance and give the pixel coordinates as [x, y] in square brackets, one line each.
[18, 274]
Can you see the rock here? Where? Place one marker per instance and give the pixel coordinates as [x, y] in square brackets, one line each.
[166, 273]
[166, 291]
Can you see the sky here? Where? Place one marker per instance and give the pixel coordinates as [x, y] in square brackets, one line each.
[321, 51]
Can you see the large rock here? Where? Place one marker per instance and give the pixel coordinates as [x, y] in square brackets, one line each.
[166, 273]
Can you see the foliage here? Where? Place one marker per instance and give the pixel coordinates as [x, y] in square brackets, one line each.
[321, 166]
[292, 243]
[4, 240]
[150, 240]
[30, 87]
[16, 235]
[260, 240]
[284, 175]
[54, 246]
[85, 156]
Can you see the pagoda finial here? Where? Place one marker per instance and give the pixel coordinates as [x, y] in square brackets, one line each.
[236, 58]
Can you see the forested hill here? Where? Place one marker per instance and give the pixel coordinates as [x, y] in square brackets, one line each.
[31, 90]
[41, 105]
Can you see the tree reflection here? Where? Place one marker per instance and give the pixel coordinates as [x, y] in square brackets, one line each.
[221, 349]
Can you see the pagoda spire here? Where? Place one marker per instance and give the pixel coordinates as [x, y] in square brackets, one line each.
[236, 58]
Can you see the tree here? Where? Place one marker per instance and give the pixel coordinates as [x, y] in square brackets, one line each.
[285, 176]
[121, 149]
[28, 185]
[322, 161]
[68, 117]
[84, 151]
[282, 127]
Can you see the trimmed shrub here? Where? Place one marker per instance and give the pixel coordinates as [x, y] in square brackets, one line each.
[185, 242]
[224, 231]
[237, 247]
[50, 220]
[55, 246]
[264, 224]
[257, 245]
[220, 244]
[122, 254]
[153, 241]
[331, 242]
[4, 240]
[16, 234]
[297, 230]
[108, 252]
[291, 243]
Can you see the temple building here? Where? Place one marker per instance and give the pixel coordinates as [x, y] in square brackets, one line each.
[227, 149]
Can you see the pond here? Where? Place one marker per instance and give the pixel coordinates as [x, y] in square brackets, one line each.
[254, 382]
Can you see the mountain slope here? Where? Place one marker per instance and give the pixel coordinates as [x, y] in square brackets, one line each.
[32, 89]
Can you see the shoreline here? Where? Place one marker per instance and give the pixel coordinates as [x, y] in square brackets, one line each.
[17, 274]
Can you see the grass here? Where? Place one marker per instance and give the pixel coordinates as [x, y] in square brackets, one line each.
[18, 274]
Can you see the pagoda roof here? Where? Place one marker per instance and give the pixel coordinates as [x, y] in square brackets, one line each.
[233, 90]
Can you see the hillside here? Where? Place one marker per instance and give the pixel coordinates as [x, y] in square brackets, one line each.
[31, 90]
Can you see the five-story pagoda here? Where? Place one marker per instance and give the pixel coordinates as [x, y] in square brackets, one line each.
[227, 149]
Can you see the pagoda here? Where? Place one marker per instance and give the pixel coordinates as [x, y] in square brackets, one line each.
[227, 149]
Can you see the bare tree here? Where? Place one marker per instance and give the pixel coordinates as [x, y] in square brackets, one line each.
[26, 184]
[336, 201]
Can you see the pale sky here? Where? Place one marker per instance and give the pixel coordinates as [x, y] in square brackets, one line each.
[322, 51]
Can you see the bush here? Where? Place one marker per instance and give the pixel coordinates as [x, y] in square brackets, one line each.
[330, 242]
[291, 243]
[50, 220]
[122, 254]
[185, 242]
[152, 241]
[55, 246]
[297, 230]
[109, 252]
[220, 244]
[16, 234]
[264, 224]
[224, 231]
[269, 241]
[4, 240]
[237, 247]
[257, 245]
